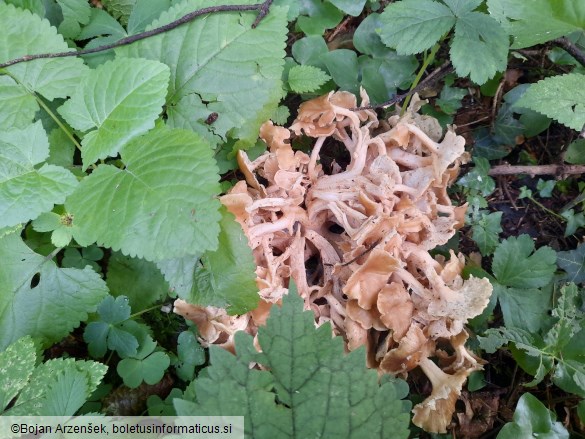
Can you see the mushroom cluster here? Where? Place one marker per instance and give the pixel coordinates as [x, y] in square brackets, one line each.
[356, 241]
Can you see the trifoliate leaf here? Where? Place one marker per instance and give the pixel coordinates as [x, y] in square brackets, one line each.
[220, 59]
[516, 264]
[308, 387]
[160, 206]
[74, 258]
[122, 99]
[24, 33]
[27, 190]
[479, 48]
[139, 280]
[303, 79]
[159, 407]
[190, 354]
[485, 231]
[150, 369]
[18, 105]
[413, 26]
[18, 363]
[573, 262]
[561, 98]
[533, 419]
[227, 276]
[75, 13]
[538, 21]
[34, 292]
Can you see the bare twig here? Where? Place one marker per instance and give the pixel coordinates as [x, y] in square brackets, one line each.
[537, 170]
[262, 9]
[570, 47]
[433, 77]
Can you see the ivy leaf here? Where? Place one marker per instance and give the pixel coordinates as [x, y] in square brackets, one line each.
[413, 26]
[109, 332]
[485, 231]
[450, 100]
[303, 79]
[223, 61]
[227, 277]
[33, 292]
[122, 99]
[538, 21]
[27, 190]
[478, 178]
[23, 34]
[160, 206]
[573, 262]
[18, 363]
[561, 98]
[309, 386]
[533, 419]
[18, 105]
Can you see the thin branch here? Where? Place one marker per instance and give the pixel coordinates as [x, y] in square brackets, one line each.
[570, 47]
[538, 170]
[262, 9]
[433, 77]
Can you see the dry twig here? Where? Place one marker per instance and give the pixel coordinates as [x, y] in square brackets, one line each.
[538, 170]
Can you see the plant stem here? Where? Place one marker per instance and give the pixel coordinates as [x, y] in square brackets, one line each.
[427, 60]
[57, 121]
[546, 209]
[144, 311]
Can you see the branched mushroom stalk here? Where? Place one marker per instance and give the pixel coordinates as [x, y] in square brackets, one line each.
[376, 281]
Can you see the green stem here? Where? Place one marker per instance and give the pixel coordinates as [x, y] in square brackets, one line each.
[426, 62]
[547, 209]
[136, 314]
[57, 121]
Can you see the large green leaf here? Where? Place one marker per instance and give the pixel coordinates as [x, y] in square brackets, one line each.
[39, 299]
[227, 276]
[234, 69]
[534, 22]
[18, 105]
[122, 99]
[75, 13]
[573, 262]
[18, 363]
[160, 206]
[27, 190]
[24, 34]
[559, 97]
[307, 388]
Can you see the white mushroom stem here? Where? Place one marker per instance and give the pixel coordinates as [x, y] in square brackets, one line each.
[314, 157]
[426, 140]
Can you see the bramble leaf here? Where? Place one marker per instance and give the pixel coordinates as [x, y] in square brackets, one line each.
[33, 291]
[303, 79]
[27, 190]
[160, 206]
[309, 387]
[573, 262]
[23, 34]
[122, 99]
[18, 363]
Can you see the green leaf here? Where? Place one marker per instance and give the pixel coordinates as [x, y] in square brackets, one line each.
[75, 13]
[485, 232]
[479, 48]
[450, 100]
[524, 308]
[573, 262]
[190, 355]
[18, 105]
[351, 7]
[18, 363]
[303, 79]
[310, 50]
[73, 258]
[150, 369]
[35, 6]
[545, 187]
[322, 16]
[478, 178]
[227, 276]
[343, 66]
[67, 394]
[538, 21]
[144, 13]
[62, 228]
[122, 99]
[220, 59]
[561, 98]
[27, 190]
[23, 34]
[516, 264]
[159, 407]
[533, 419]
[308, 388]
[121, 9]
[281, 115]
[179, 273]
[413, 26]
[139, 280]
[575, 153]
[366, 40]
[569, 318]
[160, 206]
[33, 292]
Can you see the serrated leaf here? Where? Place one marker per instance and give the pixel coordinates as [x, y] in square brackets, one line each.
[160, 206]
[27, 190]
[516, 264]
[122, 99]
[75, 13]
[479, 48]
[309, 387]
[179, 273]
[227, 276]
[120, 9]
[485, 232]
[18, 363]
[37, 309]
[236, 69]
[23, 34]
[413, 26]
[139, 280]
[303, 79]
[18, 105]
[523, 307]
[537, 21]
[281, 115]
[561, 98]
[66, 395]
[569, 318]
[573, 262]
[35, 6]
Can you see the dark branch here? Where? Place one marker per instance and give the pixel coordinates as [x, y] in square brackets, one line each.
[262, 9]
[433, 77]
[570, 47]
